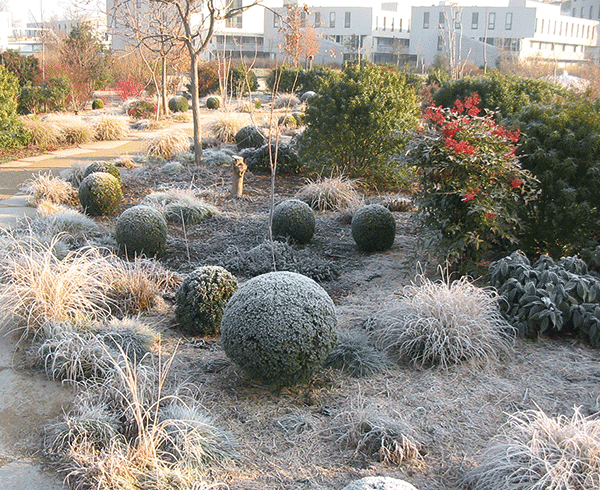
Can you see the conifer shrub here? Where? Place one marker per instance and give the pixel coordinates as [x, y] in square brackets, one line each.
[295, 220]
[358, 121]
[141, 230]
[373, 228]
[279, 328]
[201, 300]
[178, 104]
[249, 137]
[286, 158]
[100, 194]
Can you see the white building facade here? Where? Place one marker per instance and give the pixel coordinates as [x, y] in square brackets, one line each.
[519, 29]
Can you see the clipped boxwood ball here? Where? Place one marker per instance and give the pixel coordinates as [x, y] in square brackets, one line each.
[100, 166]
[287, 121]
[213, 103]
[178, 104]
[306, 96]
[279, 328]
[249, 137]
[294, 219]
[141, 230]
[373, 228]
[100, 194]
[97, 104]
[201, 300]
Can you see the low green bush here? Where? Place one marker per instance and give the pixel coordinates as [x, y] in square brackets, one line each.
[286, 156]
[141, 230]
[97, 104]
[178, 104]
[295, 220]
[213, 102]
[548, 296]
[141, 109]
[100, 194]
[249, 137]
[100, 166]
[373, 228]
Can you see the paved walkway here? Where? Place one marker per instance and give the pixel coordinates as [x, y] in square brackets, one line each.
[28, 401]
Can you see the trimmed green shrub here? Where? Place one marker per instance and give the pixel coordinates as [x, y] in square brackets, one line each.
[213, 102]
[99, 166]
[373, 228]
[241, 81]
[12, 134]
[201, 300]
[178, 104]
[97, 104]
[279, 328]
[357, 122]
[249, 137]
[141, 109]
[141, 230]
[287, 121]
[259, 159]
[100, 194]
[548, 296]
[299, 117]
[286, 78]
[560, 146]
[294, 219]
[500, 91]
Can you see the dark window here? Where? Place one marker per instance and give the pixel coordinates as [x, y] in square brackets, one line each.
[492, 21]
[508, 24]
[425, 20]
[475, 20]
[347, 19]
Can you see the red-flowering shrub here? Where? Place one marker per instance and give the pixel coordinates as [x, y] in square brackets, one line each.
[128, 87]
[471, 182]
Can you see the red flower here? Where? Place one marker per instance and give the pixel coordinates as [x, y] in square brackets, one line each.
[469, 196]
[490, 215]
[516, 183]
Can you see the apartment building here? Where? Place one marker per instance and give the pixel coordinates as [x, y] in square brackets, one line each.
[519, 29]
[379, 33]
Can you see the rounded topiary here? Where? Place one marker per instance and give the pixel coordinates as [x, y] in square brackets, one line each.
[287, 121]
[373, 228]
[201, 300]
[100, 194]
[109, 168]
[306, 96]
[178, 104]
[279, 328]
[294, 219]
[97, 104]
[299, 117]
[249, 137]
[213, 103]
[141, 230]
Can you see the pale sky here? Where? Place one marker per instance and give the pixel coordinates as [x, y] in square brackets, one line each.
[29, 10]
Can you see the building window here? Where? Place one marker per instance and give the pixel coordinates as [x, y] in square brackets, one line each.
[392, 27]
[317, 19]
[384, 19]
[332, 19]
[475, 20]
[441, 19]
[555, 22]
[491, 21]
[347, 19]
[425, 20]
[508, 24]
[572, 29]
[591, 10]
[577, 32]
[236, 20]
[574, 12]
[457, 20]
[138, 4]
[560, 29]
[275, 20]
[400, 24]
[440, 43]
[542, 29]
[581, 12]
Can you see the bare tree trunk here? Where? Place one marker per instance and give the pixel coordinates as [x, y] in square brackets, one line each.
[239, 168]
[195, 105]
[163, 81]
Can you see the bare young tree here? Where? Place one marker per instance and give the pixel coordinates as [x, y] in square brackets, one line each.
[301, 39]
[451, 35]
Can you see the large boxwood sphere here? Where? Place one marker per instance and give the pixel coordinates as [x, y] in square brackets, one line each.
[373, 228]
[178, 104]
[141, 230]
[294, 219]
[100, 166]
[279, 328]
[201, 300]
[100, 194]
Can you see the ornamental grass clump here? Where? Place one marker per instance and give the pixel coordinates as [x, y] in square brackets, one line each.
[471, 182]
[181, 206]
[168, 144]
[444, 323]
[330, 194]
[46, 187]
[111, 128]
[41, 133]
[539, 452]
[226, 125]
[286, 101]
[354, 355]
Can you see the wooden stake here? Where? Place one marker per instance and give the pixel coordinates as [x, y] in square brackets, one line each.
[239, 168]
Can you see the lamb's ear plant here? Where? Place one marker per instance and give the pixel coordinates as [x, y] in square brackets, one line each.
[548, 296]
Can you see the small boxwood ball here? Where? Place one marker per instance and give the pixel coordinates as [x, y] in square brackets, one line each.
[141, 230]
[178, 104]
[294, 219]
[97, 104]
[249, 137]
[201, 300]
[100, 194]
[100, 166]
[373, 228]
[279, 328]
[213, 103]
[287, 121]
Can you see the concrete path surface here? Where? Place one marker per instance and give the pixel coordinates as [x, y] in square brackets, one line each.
[28, 401]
